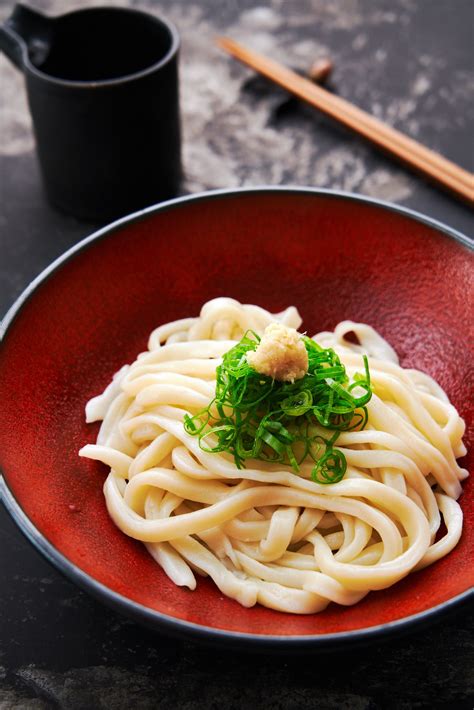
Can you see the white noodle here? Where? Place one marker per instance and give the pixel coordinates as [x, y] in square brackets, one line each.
[265, 534]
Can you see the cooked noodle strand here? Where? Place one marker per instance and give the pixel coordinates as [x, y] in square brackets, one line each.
[264, 533]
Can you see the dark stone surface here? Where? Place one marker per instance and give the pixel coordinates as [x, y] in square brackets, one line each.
[407, 61]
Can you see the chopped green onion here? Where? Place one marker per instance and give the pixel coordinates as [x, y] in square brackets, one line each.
[261, 418]
[297, 404]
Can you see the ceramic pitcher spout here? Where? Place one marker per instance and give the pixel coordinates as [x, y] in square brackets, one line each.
[26, 36]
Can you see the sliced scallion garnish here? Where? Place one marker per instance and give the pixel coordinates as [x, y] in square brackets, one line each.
[256, 417]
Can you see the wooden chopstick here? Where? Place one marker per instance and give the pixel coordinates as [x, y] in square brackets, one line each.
[422, 159]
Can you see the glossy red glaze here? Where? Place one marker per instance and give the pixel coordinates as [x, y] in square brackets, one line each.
[333, 258]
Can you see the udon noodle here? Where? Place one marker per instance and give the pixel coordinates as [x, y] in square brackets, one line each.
[264, 533]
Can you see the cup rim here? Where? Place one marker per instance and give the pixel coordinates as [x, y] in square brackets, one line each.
[172, 51]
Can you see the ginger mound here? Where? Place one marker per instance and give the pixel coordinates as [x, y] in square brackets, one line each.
[281, 354]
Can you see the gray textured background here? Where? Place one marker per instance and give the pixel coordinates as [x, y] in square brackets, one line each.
[409, 62]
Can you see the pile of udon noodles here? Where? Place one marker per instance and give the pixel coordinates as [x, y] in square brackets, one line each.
[265, 534]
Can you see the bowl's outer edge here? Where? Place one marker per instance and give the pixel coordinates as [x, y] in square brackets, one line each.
[154, 618]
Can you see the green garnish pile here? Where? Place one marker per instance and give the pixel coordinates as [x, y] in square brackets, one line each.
[256, 417]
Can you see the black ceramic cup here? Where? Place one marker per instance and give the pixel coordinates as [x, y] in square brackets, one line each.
[102, 86]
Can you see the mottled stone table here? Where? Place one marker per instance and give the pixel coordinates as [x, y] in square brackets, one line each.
[408, 62]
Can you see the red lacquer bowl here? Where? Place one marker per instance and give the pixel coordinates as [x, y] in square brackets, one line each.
[334, 256]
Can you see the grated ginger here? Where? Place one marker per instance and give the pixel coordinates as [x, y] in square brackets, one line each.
[281, 354]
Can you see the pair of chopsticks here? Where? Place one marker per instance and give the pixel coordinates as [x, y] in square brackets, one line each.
[422, 159]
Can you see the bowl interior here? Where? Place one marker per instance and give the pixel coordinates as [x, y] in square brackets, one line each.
[333, 257]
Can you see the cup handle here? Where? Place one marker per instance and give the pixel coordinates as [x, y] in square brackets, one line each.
[26, 34]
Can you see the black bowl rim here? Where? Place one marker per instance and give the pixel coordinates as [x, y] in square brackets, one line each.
[151, 617]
